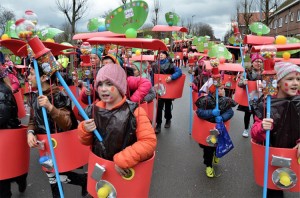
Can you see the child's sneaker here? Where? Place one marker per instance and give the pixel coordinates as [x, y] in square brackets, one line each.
[216, 160]
[210, 172]
[245, 133]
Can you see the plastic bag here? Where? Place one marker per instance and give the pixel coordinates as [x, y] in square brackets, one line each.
[224, 142]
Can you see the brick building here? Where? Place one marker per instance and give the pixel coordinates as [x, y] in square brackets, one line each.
[286, 19]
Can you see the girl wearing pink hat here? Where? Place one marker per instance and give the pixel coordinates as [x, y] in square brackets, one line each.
[253, 74]
[285, 119]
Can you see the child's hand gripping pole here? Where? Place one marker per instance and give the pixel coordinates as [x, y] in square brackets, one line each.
[269, 89]
[38, 81]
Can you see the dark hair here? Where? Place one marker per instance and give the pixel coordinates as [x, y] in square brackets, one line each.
[108, 57]
[52, 79]
[165, 53]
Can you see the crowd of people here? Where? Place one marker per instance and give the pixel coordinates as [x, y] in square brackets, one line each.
[115, 91]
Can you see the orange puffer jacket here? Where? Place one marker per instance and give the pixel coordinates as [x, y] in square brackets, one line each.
[139, 151]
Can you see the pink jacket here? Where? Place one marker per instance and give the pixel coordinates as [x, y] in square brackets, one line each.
[138, 88]
[258, 134]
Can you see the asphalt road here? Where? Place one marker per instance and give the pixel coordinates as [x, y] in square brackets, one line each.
[179, 170]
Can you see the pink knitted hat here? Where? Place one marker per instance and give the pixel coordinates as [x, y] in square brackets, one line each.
[115, 74]
[256, 56]
[284, 68]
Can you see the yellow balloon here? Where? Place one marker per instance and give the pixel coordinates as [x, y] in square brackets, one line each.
[50, 40]
[286, 55]
[5, 37]
[138, 52]
[280, 40]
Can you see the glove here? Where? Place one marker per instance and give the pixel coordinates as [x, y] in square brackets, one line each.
[215, 112]
[218, 119]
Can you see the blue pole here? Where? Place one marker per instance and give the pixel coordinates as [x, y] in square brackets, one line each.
[80, 109]
[40, 91]
[267, 147]
[245, 75]
[217, 98]
[191, 104]
[88, 88]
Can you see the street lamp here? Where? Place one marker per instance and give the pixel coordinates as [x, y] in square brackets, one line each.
[192, 22]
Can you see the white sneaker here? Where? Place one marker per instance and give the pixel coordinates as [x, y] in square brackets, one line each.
[246, 133]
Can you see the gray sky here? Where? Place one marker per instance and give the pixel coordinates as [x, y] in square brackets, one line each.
[217, 13]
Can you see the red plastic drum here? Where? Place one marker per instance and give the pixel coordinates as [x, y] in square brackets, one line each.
[138, 186]
[14, 153]
[174, 88]
[200, 129]
[150, 110]
[180, 54]
[240, 95]
[194, 97]
[229, 81]
[258, 152]
[20, 103]
[69, 152]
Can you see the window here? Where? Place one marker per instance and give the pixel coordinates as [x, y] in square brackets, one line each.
[298, 15]
[280, 22]
[286, 18]
[292, 16]
[275, 24]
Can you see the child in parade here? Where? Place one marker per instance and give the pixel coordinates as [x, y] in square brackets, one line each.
[61, 118]
[9, 120]
[254, 73]
[165, 66]
[284, 124]
[137, 88]
[201, 75]
[206, 109]
[128, 135]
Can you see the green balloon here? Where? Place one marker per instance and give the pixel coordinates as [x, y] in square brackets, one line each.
[219, 51]
[131, 33]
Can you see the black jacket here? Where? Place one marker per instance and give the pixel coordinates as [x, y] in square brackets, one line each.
[8, 108]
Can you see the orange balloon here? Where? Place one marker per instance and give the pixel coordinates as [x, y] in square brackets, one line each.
[280, 40]
[286, 55]
[5, 37]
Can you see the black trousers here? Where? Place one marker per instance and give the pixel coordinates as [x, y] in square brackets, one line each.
[69, 178]
[6, 184]
[274, 193]
[167, 103]
[208, 154]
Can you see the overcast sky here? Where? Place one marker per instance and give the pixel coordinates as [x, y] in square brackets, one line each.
[217, 13]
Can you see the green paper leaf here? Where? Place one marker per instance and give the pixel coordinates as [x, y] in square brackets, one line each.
[48, 33]
[10, 29]
[219, 51]
[172, 18]
[259, 28]
[232, 41]
[130, 15]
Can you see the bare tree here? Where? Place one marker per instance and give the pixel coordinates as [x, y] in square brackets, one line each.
[74, 10]
[157, 9]
[247, 8]
[124, 1]
[5, 15]
[66, 35]
[189, 26]
[203, 29]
